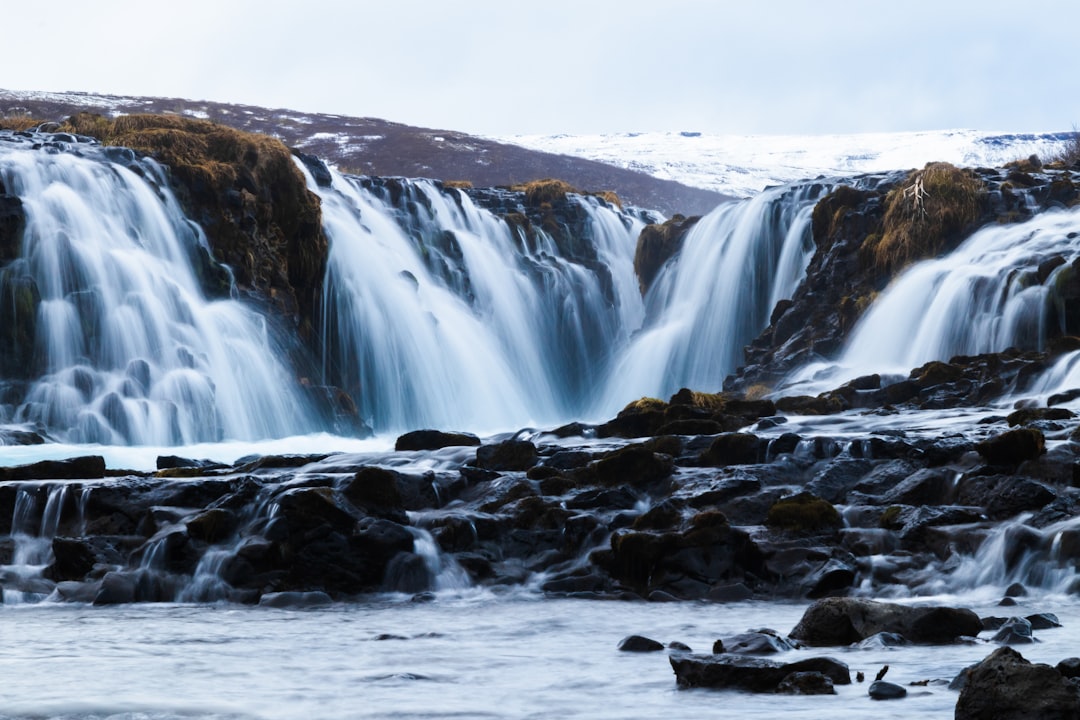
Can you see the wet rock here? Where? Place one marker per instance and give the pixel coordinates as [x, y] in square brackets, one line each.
[1016, 590]
[406, 573]
[116, 588]
[759, 642]
[1027, 416]
[1012, 447]
[734, 449]
[634, 466]
[1014, 631]
[929, 486]
[309, 510]
[1004, 496]
[1043, 621]
[806, 683]
[1005, 686]
[374, 489]
[510, 455]
[882, 640]
[1069, 667]
[843, 621]
[804, 513]
[434, 440]
[838, 478]
[685, 564]
[835, 577]
[79, 468]
[884, 690]
[752, 674]
[637, 643]
[212, 526]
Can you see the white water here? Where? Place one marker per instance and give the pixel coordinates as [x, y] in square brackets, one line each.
[446, 318]
[716, 296]
[983, 297]
[472, 655]
[133, 351]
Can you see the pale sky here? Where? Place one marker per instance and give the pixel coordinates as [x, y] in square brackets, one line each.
[504, 67]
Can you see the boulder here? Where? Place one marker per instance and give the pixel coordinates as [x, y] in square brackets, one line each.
[434, 440]
[79, 468]
[734, 449]
[509, 455]
[634, 466]
[1005, 686]
[1013, 446]
[637, 643]
[842, 621]
[884, 690]
[751, 674]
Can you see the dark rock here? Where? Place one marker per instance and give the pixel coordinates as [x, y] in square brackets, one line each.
[1005, 686]
[1015, 631]
[406, 573]
[212, 526]
[376, 491]
[1013, 447]
[637, 643]
[843, 621]
[883, 690]
[1043, 621]
[73, 559]
[838, 478]
[883, 640]
[634, 466]
[752, 674]
[116, 588]
[753, 643]
[834, 577]
[806, 683]
[79, 468]
[434, 440]
[804, 513]
[1069, 667]
[734, 449]
[1026, 416]
[1016, 590]
[509, 455]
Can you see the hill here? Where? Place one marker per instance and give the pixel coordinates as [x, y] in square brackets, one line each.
[370, 146]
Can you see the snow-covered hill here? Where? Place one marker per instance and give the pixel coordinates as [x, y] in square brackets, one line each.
[743, 165]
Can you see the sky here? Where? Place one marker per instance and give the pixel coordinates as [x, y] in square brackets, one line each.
[505, 67]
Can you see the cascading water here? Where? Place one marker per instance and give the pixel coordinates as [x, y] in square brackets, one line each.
[129, 349]
[716, 295]
[442, 314]
[991, 293]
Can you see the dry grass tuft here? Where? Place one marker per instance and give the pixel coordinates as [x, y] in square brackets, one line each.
[18, 123]
[934, 206]
[548, 190]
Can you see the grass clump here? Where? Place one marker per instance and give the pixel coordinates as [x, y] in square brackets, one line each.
[924, 215]
[18, 123]
[548, 190]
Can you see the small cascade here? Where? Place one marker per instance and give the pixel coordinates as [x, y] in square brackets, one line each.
[41, 511]
[444, 572]
[995, 291]
[127, 349]
[716, 295]
[440, 313]
[1014, 552]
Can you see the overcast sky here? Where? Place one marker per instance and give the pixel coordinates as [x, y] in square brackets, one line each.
[503, 67]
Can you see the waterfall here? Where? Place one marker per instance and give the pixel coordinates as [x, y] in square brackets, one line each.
[440, 313]
[987, 295]
[716, 295]
[130, 349]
